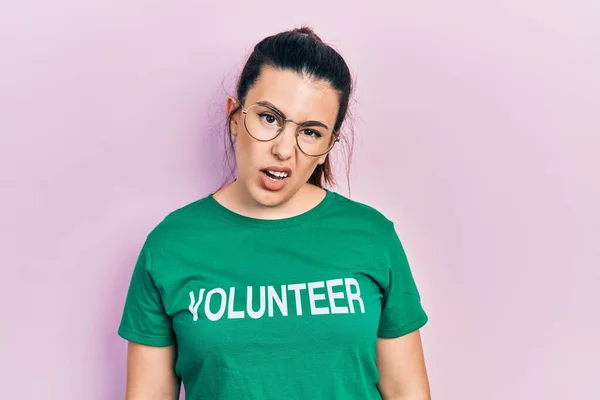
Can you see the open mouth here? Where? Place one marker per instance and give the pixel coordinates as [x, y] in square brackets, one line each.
[276, 175]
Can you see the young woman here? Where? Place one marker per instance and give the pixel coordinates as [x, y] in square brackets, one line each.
[274, 287]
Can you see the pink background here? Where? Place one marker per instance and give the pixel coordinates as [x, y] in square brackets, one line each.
[478, 132]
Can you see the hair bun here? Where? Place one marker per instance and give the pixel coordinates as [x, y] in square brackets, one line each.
[305, 30]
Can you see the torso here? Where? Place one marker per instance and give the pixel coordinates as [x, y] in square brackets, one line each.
[273, 309]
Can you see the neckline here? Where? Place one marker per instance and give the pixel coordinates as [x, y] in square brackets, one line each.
[280, 223]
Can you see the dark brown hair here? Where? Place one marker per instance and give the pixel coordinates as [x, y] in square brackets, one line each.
[302, 51]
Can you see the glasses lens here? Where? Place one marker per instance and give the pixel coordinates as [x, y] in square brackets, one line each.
[263, 123]
[315, 140]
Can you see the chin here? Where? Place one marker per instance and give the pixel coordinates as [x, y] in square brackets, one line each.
[269, 198]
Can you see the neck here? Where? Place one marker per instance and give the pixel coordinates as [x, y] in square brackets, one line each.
[236, 197]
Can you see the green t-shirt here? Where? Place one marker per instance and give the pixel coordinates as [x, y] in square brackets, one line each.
[273, 309]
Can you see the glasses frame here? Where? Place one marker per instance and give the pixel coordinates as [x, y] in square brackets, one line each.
[336, 135]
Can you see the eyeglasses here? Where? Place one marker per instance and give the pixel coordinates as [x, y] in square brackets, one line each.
[264, 123]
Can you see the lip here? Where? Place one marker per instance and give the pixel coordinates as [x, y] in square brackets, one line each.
[279, 169]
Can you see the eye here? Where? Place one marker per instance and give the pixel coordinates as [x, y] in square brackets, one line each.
[270, 119]
[311, 133]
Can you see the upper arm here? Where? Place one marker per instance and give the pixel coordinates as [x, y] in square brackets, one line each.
[147, 327]
[400, 358]
[401, 366]
[151, 373]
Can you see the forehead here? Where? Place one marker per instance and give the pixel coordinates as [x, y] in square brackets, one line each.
[299, 97]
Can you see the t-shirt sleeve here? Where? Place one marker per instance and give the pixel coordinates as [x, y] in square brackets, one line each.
[144, 318]
[402, 311]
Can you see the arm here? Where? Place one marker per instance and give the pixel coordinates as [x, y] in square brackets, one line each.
[150, 373]
[401, 366]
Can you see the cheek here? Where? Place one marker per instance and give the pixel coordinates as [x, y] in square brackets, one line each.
[247, 152]
[307, 165]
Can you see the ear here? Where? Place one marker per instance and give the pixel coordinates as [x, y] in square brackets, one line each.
[231, 104]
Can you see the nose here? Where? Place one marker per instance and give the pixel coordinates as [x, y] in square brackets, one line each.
[284, 145]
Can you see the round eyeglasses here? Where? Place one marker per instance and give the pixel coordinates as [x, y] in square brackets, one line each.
[264, 123]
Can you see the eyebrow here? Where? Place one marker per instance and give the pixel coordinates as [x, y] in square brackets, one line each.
[305, 123]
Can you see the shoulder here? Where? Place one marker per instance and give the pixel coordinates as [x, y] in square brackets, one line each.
[180, 223]
[367, 216]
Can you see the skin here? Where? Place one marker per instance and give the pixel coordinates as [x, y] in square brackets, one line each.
[300, 99]
[402, 371]
[151, 373]
[400, 361]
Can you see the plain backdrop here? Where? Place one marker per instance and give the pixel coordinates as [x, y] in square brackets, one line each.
[477, 130]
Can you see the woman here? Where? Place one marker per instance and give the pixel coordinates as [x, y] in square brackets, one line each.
[274, 287]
